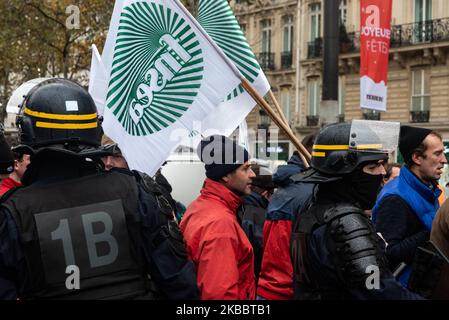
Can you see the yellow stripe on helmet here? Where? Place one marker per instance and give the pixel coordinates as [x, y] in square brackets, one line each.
[318, 154]
[330, 147]
[54, 116]
[369, 146]
[346, 147]
[75, 126]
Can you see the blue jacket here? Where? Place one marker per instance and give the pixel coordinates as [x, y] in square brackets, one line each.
[290, 197]
[420, 198]
[400, 201]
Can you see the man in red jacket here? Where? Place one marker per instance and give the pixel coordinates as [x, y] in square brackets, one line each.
[216, 243]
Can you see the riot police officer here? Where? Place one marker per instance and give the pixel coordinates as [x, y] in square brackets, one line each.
[75, 231]
[335, 250]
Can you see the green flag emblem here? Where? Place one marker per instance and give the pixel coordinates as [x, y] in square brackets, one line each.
[157, 68]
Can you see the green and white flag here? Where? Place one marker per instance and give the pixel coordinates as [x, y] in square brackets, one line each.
[98, 81]
[165, 75]
[218, 20]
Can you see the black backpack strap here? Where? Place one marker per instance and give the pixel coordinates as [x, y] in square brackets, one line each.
[151, 186]
[169, 229]
[9, 193]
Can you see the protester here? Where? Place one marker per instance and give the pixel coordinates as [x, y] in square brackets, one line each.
[6, 158]
[217, 244]
[405, 208]
[21, 161]
[112, 157]
[392, 171]
[334, 247]
[252, 212]
[113, 230]
[290, 199]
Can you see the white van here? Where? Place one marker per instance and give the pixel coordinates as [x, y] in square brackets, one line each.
[186, 174]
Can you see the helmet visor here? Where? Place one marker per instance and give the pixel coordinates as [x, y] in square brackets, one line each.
[374, 136]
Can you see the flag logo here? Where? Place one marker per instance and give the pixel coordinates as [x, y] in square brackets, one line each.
[157, 68]
[221, 25]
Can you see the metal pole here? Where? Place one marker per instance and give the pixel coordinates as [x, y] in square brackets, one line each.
[329, 104]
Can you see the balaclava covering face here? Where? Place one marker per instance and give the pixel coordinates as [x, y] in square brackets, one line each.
[357, 187]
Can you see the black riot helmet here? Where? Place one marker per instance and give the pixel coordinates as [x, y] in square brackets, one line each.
[59, 112]
[339, 151]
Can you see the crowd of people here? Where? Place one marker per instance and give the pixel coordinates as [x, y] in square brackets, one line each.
[352, 226]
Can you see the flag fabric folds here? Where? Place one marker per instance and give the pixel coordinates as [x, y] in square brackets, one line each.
[98, 81]
[164, 75]
[218, 20]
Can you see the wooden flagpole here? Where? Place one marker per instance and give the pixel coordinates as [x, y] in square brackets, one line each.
[303, 153]
[278, 107]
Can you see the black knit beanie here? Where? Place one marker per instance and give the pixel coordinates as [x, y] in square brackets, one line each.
[410, 138]
[221, 156]
[6, 157]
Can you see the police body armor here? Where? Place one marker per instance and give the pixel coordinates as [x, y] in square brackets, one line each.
[353, 245]
[84, 240]
[252, 219]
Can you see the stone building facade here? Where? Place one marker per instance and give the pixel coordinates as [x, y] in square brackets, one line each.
[418, 78]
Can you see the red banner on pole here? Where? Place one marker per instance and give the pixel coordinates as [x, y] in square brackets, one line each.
[375, 34]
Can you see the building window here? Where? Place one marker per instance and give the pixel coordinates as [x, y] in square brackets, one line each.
[369, 114]
[423, 25]
[285, 102]
[343, 10]
[341, 98]
[288, 33]
[287, 45]
[266, 35]
[420, 99]
[266, 58]
[315, 21]
[313, 91]
[314, 96]
[423, 10]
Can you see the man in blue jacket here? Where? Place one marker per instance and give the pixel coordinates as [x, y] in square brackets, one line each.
[276, 277]
[405, 208]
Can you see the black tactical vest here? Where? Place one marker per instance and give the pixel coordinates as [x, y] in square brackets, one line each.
[86, 228]
[302, 230]
[352, 244]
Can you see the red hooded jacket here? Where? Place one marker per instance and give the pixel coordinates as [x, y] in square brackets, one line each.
[7, 184]
[218, 246]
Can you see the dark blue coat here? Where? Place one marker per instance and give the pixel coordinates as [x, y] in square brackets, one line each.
[290, 198]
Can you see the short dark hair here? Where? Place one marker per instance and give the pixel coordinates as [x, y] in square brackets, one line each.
[421, 149]
[18, 155]
[263, 181]
[389, 169]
